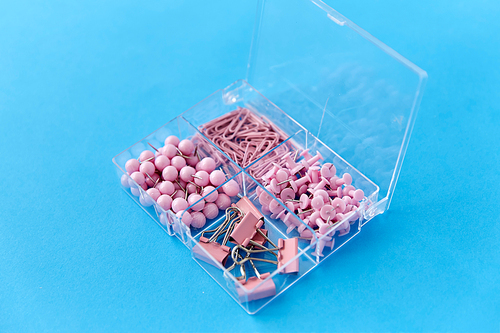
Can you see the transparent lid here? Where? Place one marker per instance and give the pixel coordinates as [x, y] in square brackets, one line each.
[353, 92]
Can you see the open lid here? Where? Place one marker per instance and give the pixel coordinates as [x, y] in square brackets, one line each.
[353, 92]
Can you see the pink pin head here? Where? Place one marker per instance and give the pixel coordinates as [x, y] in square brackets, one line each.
[210, 194]
[179, 204]
[146, 155]
[173, 140]
[170, 173]
[211, 210]
[217, 177]
[197, 202]
[187, 173]
[231, 188]
[185, 217]
[178, 162]
[165, 201]
[138, 177]
[317, 203]
[287, 194]
[223, 201]
[202, 178]
[207, 164]
[169, 150]
[161, 162]
[132, 165]
[186, 147]
[147, 168]
[198, 220]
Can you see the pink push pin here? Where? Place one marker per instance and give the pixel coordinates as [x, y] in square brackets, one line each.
[185, 217]
[202, 178]
[315, 159]
[304, 201]
[146, 155]
[179, 194]
[186, 147]
[153, 193]
[187, 173]
[217, 177]
[357, 195]
[306, 154]
[178, 162]
[323, 194]
[199, 220]
[152, 180]
[317, 203]
[328, 170]
[196, 201]
[165, 201]
[273, 186]
[207, 164]
[231, 188]
[265, 199]
[124, 181]
[170, 173]
[138, 177]
[210, 194]
[191, 188]
[192, 160]
[287, 194]
[281, 176]
[339, 205]
[275, 207]
[147, 168]
[161, 162]
[289, 161]
[179, 204]
[173, 140]
[169, 150]
[211, 210]
[132, 165]
[223, 201]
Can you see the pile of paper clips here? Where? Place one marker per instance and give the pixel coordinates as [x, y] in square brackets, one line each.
[243, 227]
[246, 138]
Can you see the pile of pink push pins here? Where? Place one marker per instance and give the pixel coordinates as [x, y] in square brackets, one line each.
[175, 177]
[314, 193]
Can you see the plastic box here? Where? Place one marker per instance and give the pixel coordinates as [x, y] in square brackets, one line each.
[352, 98]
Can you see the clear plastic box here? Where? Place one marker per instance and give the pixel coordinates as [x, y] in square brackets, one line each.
[352, 98]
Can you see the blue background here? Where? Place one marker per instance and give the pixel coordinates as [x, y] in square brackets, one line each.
[81, 81]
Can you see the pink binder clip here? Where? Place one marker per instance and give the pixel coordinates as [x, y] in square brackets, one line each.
[267, 289]
[288, 249]
[247, 206]
[246, 229]
[220, 252]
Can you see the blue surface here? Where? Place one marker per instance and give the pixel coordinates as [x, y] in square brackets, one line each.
[79, 82]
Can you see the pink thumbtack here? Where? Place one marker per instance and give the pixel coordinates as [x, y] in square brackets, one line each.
[315, 159]
[223, 201]
[217, 177]
[304, 201]
[289, 161]
[347, 179]
[173, 140]
[169, 150]
[211, 210]
[288, 249]
[231, 188]
[202, 178]
[281, 176]
[287, 194]
[306, 154]
[339, 205]
[197, 202]
[132, 165]
[357, 195]
[317, 203]
[210, 194]
[265, 199]
[199, 220]
[186, 173]
[161, 162]
[186, 147]
[275, 207]
[323, 194]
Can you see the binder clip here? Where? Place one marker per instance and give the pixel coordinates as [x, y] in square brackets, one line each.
[220, 252]
[246, 229]
[288, 249]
